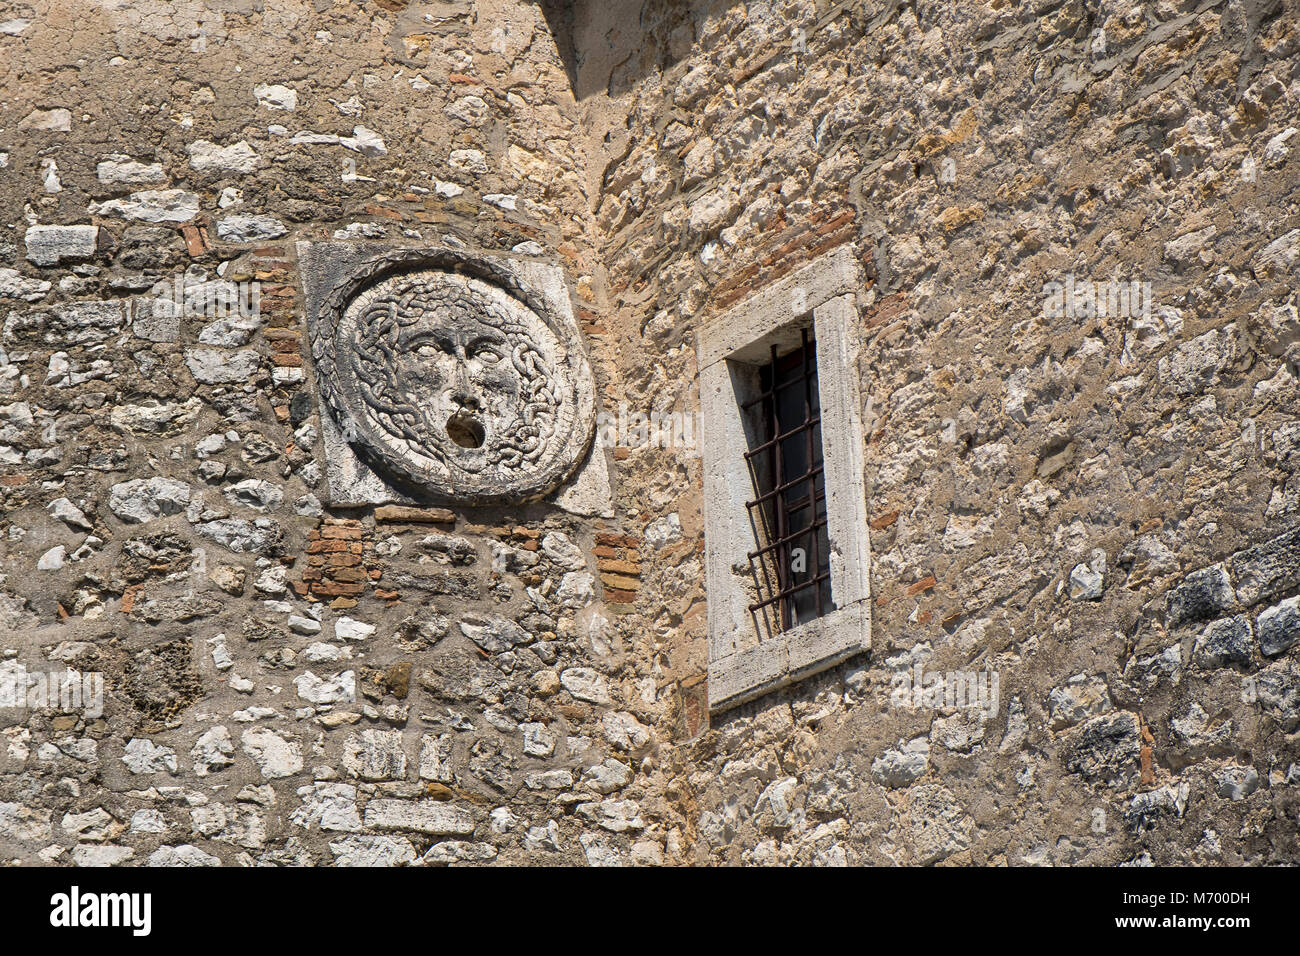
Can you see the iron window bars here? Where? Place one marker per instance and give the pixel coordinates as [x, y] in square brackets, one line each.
[790, 507]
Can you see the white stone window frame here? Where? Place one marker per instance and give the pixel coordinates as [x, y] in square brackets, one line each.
[746, 658]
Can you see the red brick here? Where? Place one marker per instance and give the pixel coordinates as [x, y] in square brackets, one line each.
[880, 522]
[405, 515]
[619, 567]
[925, 584]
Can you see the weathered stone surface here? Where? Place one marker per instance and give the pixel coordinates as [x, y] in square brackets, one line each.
[1105, 747]
[561, 550]
[274, 96]
[206, 157]
[51, 245]
[93, 855]
[1081, 697]
[1278, 689]
[1225, 641]
[58, 120]
[340, 689]
[144, 499]
[119, 169]
[165, 418]
[1236, 783]
[1087, 582]
[1149, 808]
[549, 780]
[577, 590]
[902, 767]
[436, 758]
[1200, 595]
[152, 205]
[937, 825]
[495, 635]
[468, 161]
[624, 732]
[144, 756]
[231, 331]
[18, 822]
[585, 684]
[74, 323]
[274, 755]
[69, 514]
[329, 806]
[184, 855]
[1278, 627]
[1198, 731]
[538, 741]
[372, 851]
[961, 732]
[458, 851]
[345, 628]
[608, 776]
[1195, 366]
[256, 494]
[242, 536]
[214, 367]
[616, 816]
[250, 228]
[97, 825]
[1268, 570]
[212, 751]
[15, 285]
[1279, 256]
[375, 755]
[422, 816]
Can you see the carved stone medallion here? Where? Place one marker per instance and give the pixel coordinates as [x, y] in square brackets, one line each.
[451, 379]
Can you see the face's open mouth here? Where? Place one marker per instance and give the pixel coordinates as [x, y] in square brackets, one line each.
[466, 430]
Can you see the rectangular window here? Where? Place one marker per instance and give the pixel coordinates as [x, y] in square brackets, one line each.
[785, 515]
[792, 568]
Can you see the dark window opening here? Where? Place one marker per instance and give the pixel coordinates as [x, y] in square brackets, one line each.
[792, 562]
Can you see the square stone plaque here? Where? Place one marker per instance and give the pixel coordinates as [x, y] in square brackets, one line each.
[449, 378]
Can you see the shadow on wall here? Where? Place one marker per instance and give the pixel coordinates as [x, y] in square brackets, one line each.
[610, 45]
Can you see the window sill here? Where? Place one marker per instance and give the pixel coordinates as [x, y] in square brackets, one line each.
[789, 656]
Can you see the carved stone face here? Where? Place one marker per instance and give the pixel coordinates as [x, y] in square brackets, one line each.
[460, 377]
[454, 384]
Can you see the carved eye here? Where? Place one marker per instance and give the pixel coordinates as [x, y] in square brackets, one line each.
[429, 348]
[487, 352]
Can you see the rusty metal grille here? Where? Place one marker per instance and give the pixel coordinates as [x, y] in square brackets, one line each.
[792, 562]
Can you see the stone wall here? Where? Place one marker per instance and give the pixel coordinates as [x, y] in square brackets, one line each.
[1096, 511]
[285, 682]
[1077, 505]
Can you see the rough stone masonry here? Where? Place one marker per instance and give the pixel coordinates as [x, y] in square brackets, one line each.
[337, 625]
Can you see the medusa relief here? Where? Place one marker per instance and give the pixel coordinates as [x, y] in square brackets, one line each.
[458, 386]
